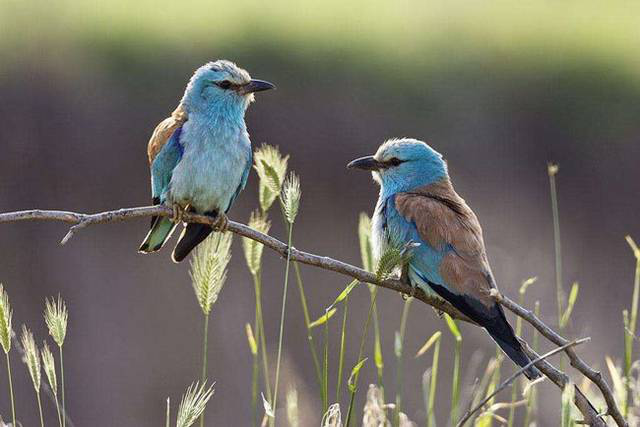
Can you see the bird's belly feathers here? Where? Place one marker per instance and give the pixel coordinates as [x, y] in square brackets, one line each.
[210, 171]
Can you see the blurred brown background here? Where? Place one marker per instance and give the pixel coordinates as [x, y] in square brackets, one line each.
[500, 89]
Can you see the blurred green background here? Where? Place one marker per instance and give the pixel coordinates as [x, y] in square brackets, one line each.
[500, 88]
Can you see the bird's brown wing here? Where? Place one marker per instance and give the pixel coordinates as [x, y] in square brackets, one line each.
[164, 130]
[446, 223]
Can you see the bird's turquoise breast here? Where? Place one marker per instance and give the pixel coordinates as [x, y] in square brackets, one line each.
[212, 166]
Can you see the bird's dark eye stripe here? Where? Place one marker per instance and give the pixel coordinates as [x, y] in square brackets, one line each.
[394, 161]
[225, 84]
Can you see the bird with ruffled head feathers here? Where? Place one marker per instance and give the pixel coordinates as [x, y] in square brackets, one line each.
[201, 155]
[417, 204]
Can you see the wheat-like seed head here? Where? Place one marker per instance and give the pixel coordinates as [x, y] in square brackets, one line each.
[193, 404]
[252, 249]
[5, 320]
[31, 357]
[271, 167]
[49, 367]
[291, 194]
[396, 254]
[209, 269]
[56, 317]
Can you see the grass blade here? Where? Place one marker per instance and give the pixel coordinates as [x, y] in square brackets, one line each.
[455, 389]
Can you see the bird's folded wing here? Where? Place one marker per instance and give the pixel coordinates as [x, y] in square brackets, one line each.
[163, 165]
[447, 224]
[164, 130]
[243, 180]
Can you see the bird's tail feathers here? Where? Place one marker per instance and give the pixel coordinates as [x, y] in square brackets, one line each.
[191, 236]
[502, 333]
[161, 230]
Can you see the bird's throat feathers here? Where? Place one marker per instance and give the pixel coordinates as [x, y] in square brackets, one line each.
[410, 176]
[219, 111]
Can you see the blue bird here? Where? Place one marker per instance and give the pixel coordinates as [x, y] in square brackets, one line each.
[201, 155]
[417, 203]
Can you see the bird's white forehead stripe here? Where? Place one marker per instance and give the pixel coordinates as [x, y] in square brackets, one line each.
[232, 71]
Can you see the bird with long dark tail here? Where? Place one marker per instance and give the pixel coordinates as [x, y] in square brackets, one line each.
[201, 155]
[418, 204]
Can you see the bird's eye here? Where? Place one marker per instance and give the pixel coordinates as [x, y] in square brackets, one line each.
[394, 161]
[225, 84]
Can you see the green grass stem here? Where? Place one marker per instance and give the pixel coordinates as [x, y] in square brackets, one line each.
[433, 383]
[282, 317]
[399, 352]
[205, 341]
[307, 322]
[455, 382]
[531, 399]
[13, 405]
[40, 409]
[630, 329]
[363, 339]
[62, 389]
[343, 335]
[325, 365]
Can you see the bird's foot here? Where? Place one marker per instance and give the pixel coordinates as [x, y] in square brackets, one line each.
[412, 294]
[404, 278]
[178, 213]
[221, 223]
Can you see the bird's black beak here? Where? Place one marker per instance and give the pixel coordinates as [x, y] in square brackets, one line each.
[367, 163]
[256, 86]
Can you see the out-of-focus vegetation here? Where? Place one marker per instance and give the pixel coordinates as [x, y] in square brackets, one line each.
[382, 32]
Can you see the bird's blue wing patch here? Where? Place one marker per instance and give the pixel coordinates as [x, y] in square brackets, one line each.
[163, 165]
[243, 181]
[425, 262]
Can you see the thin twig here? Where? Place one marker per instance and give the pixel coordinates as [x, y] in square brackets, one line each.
[560, 379]
[593, 375]
[80, 221]
[509, 380]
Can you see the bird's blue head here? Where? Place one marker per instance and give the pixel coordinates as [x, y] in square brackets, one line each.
[221, 87]
[402, 165]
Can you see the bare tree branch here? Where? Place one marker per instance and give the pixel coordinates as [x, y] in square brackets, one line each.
[595, 376]
[80, 221]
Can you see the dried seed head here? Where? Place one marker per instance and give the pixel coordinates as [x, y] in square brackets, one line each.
[193, 404]
[333, 417]
[49, 367]
[252, 249]
[271, 167]
[291, 197]
[5, 320]
[56, 317]
[31, 357]
[209, 269]
[374, 409]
